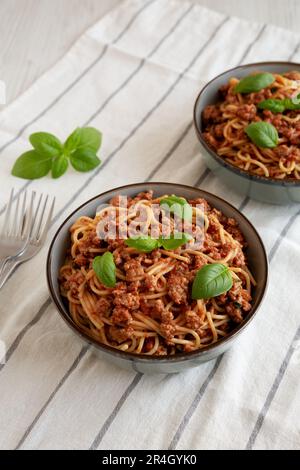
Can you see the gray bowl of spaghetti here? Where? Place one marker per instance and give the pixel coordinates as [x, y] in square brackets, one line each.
[248, 124]
[157, 277]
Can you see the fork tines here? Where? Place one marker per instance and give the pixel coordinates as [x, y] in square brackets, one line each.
[41, 218]
[22, 219]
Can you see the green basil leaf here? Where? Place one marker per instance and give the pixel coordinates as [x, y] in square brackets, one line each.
[263, 134]
[73, 141]
[84, 138]
[211, 280]
[254, 83]
[279, 106]
[175, 240]
[32, 165]
[46, 143]
[177, 206]
[143, 243]
[59, 166]
[84, 160]
[105, 269]
[292, 103]
[276, 106]
[296, 99]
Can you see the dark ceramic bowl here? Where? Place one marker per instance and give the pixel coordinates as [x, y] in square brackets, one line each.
[159, 364]
[257, 187]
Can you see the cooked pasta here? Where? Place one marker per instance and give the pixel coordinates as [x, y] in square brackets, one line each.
[150, 309]
[224, 126]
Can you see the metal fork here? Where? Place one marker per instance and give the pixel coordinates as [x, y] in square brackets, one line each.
[16, 227]
[40, 224]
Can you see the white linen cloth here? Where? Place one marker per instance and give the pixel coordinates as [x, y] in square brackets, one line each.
[135, 76]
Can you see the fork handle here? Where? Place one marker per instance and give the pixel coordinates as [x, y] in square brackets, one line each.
[2, 264]
[6, 270]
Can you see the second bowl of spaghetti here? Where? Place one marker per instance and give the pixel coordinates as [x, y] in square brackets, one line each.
[248, 123]
[158, 276]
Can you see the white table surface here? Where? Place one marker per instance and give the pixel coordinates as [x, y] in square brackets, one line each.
[34, 34]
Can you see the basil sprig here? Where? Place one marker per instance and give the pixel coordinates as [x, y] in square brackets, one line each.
[105, 269]
[147, 244]
[177, 206]
[254, 83]
[279, 106]
[49, 153]
[263, 134]
[211, 280]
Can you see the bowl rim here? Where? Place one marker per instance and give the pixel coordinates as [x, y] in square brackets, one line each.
[218, 158]
[180, 357]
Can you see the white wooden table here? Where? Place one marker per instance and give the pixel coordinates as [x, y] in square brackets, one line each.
[34, 34]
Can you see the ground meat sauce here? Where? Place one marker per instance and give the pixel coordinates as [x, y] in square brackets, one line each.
[224, 123]
[150, 309]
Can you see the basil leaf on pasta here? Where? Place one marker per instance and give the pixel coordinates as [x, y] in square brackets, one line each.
[254, 83]
[175, 240]
[143, 243]
[177, 206]
[296, 99]
[105, 269]
[276, 106]
[263, 134]
[279, 106]
[211, 280]
[292, 103]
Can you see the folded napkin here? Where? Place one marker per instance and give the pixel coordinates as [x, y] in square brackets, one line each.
[135, 76]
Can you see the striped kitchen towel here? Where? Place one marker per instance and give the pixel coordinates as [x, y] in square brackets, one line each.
[135, 76]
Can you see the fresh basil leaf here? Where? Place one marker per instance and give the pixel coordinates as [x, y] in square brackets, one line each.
[276, 106]
[292, 103]
[177, 206]
[211, 280]
[173, 200]
[143, 243]
[73, 141]
[59, 166]
[83, 138]
[175, 240]
[263, 134]
[46, 143]
[296, 99]
[32, 165]
[84, 160]
[254, 83]
[105, 269]
[279, 106]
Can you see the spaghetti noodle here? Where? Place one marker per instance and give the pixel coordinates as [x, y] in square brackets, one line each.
[224, 126]
[150, 310]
